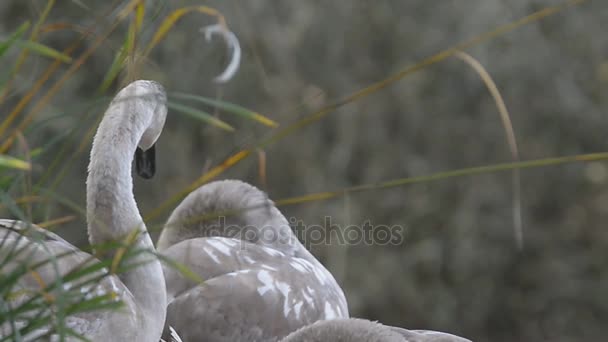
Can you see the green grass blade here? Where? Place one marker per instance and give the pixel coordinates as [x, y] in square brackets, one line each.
[114, 69]
[13, 163]
[181, 268]
[230, 108]
[200, 115]
[5, 45]
[103, 302]
[76, 335]
[44, 50]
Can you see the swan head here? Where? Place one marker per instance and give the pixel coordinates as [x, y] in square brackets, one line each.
[150, 91]
[150, 96]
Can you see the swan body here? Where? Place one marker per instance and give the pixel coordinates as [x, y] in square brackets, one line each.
[361, 330]
[260, 282]
[134, 119]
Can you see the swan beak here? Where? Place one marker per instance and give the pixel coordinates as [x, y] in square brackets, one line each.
[145, 162]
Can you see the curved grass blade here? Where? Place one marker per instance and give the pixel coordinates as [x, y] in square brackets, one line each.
[54, 222]
[5, 45]
[64, 26]
[375, 87]
[172, 18]
[103, 302]
[262, 167]
[140, 13]
[127, 49]
[24, 199]
[44, 50]
[511, 141]
[181, 268]
[229, 107]
[199, 114]
[115, 68]
[14, 163]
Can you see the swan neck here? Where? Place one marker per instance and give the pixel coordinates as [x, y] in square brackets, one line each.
[231, 209]
[112, 212]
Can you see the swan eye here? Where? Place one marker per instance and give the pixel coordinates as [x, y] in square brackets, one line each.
[145, 162]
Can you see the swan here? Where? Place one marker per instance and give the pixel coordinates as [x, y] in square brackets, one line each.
[130, 126]
[260, 282]
[362, 330]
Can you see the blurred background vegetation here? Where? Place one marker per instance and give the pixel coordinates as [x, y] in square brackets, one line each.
[459, 269]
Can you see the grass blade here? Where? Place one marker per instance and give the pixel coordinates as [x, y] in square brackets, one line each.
[172, 18]
[44, 50]
[201, 115]
[373, 88]
[181, 268]
[14, 163]
[128, 8]
[511, 141]
[443, 175]
[114, 69]
[5, 45]
[140, 12]
[230, 108]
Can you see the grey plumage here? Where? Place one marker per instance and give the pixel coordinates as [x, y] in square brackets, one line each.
[260, 282]
[361, 330]
[34, 245]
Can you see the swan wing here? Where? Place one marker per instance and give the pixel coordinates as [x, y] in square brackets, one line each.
[349, 329]
[356, 329]
[40, 259]
[250, 292]
[428, 336]
[237, 306]
[24, 244]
